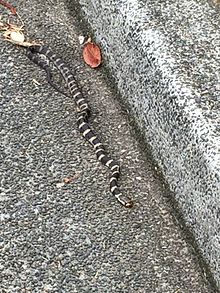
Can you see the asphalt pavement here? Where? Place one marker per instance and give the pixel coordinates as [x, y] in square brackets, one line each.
[75, 237]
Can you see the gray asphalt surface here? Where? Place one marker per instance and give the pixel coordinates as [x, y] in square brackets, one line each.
[75, 237]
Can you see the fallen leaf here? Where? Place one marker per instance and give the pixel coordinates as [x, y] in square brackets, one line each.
[23, 44]
[13, 33]
[9, 7]
[70, 179]
[92, 54]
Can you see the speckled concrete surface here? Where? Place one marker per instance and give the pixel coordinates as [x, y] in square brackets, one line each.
[165, 57]
[76, 238]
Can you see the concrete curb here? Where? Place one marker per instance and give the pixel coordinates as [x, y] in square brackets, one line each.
[165, 58]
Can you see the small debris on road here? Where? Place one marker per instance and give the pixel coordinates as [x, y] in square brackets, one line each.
[72, 178]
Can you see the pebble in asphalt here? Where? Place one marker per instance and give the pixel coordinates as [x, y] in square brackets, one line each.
[75, 237]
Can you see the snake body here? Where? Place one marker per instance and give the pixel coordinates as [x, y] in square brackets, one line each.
[33, 53]
[44, 64]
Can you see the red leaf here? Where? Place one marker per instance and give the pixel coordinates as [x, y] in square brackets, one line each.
[9, 6]
[92, 55]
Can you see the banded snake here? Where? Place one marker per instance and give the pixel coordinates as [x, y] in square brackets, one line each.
[33, 53]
